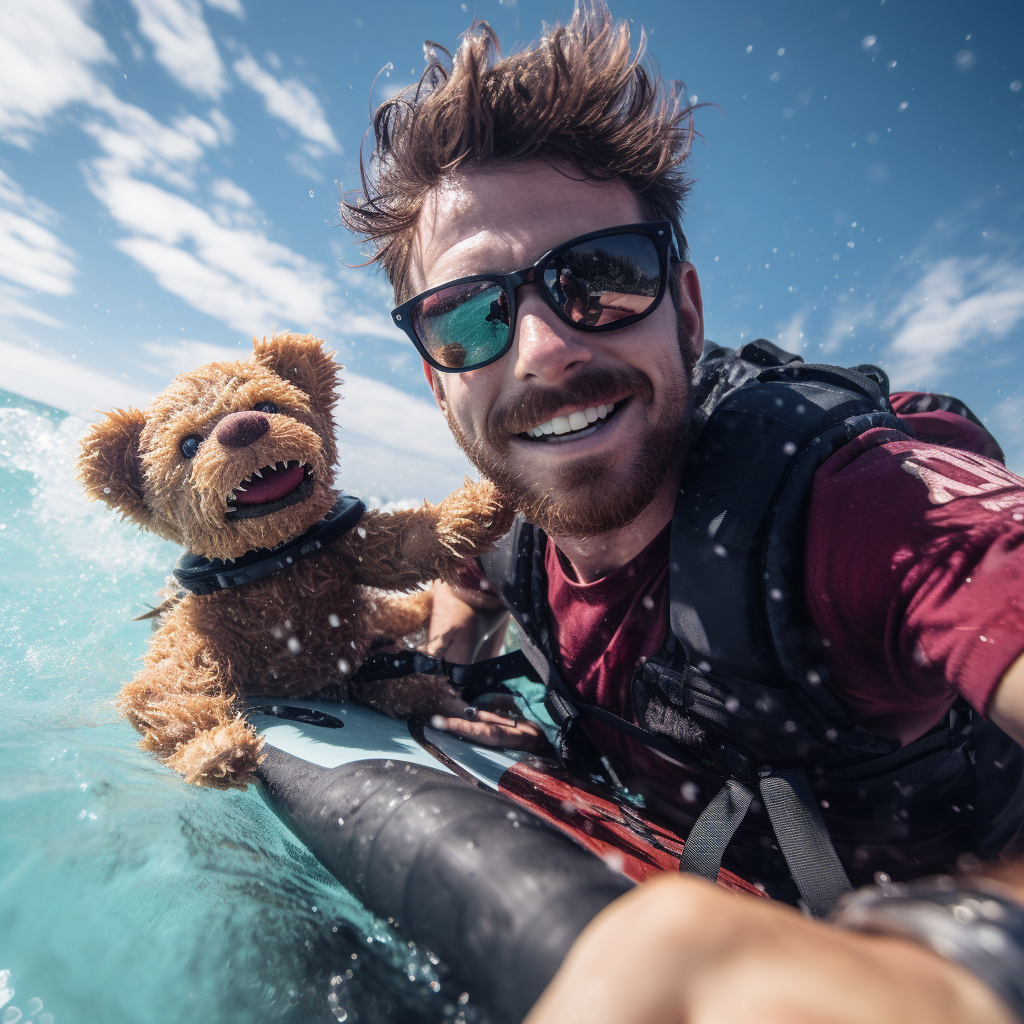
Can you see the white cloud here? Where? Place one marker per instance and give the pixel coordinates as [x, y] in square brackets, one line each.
[198, 130]
[958, 304]
[791, 335]
[136, 142]
[64, 383]
[229, 7]
[182, 44]
[47, 54]
[228, 192]
[289, 100]
[236, 275]
[32, 257]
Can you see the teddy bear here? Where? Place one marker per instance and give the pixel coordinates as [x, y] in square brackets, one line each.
[288, 586]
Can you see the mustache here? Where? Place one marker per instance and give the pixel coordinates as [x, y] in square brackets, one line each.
[591, 386]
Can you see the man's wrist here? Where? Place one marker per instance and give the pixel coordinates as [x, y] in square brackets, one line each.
[976, 924]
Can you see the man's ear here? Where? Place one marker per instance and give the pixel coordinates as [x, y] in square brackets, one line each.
[434, 380]
[301, 360]
[690, 308]
[110, 466]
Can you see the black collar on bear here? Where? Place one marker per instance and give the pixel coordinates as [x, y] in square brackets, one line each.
[199, 575]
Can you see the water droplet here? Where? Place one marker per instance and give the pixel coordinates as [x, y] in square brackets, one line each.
[310, 193]
[965, 60]
[903, 106]
[775, 594]
[11, 1015]
[868, 42]
[690, 791]
[750, 49]
[789, 448]
[1015, 86]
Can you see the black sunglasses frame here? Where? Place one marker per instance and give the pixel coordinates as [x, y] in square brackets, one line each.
[659, 232]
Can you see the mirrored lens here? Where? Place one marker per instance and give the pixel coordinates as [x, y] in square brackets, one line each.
[606, 279]
[464, 325]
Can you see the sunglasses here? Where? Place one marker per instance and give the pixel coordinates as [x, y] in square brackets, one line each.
[598, 282]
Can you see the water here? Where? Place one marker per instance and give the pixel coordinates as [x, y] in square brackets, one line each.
[125, 895]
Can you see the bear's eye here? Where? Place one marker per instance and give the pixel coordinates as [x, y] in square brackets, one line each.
[265, 407]
[190, 445]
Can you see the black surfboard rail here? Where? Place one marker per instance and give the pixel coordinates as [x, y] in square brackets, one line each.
[496, 893]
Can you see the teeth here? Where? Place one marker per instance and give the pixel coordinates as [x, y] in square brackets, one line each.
[256, 472]
[240, 489]
[574, 421]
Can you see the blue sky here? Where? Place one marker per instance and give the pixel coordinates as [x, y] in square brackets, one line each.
[169, 173]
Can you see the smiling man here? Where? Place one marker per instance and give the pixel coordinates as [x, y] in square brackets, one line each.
[752, 591]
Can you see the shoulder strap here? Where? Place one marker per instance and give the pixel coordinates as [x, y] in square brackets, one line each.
[739, 474]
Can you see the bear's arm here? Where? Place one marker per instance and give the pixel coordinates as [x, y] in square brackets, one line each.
[403, 549]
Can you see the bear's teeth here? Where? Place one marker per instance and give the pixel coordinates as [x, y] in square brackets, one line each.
[256, 472]
[240, 489]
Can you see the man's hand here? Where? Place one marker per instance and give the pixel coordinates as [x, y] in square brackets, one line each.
[492, 721]
[678, 950]
[468, 625]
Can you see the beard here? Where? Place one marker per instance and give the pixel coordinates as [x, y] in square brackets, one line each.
[584, 498]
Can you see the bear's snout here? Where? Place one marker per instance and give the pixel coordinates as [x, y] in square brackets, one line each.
[241, 429]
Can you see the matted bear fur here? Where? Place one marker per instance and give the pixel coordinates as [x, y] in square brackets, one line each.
[239, 456]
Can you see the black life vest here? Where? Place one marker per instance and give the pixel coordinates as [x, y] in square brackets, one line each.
[739, 691]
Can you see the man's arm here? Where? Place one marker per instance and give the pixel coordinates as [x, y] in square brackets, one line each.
[1007, 706]
[678, 950]
[468, 625]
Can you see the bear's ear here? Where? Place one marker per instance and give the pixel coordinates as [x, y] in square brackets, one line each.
[301, 360]
[110, 466]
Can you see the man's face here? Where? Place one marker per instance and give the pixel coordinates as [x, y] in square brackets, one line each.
[593, 479]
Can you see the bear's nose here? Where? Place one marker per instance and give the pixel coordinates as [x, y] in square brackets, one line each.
[241, 429]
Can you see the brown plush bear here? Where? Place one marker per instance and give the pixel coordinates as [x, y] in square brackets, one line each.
[240, 456]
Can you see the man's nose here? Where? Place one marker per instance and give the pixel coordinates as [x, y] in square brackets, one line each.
[546, 350]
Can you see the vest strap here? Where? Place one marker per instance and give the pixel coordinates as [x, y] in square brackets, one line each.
[804, 840]
[713, 830]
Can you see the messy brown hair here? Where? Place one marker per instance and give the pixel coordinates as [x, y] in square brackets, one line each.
[579, 95]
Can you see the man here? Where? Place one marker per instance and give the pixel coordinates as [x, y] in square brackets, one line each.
[524, 211]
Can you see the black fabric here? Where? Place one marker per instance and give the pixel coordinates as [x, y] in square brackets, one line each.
[199, 575]
[472, 681]
[714, 829]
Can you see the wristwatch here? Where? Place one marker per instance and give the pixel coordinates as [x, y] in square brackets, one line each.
[975, 924]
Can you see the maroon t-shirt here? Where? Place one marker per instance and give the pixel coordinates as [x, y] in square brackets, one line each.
[914, 576]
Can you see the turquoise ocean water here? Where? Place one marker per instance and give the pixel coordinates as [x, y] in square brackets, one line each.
[127, 897]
